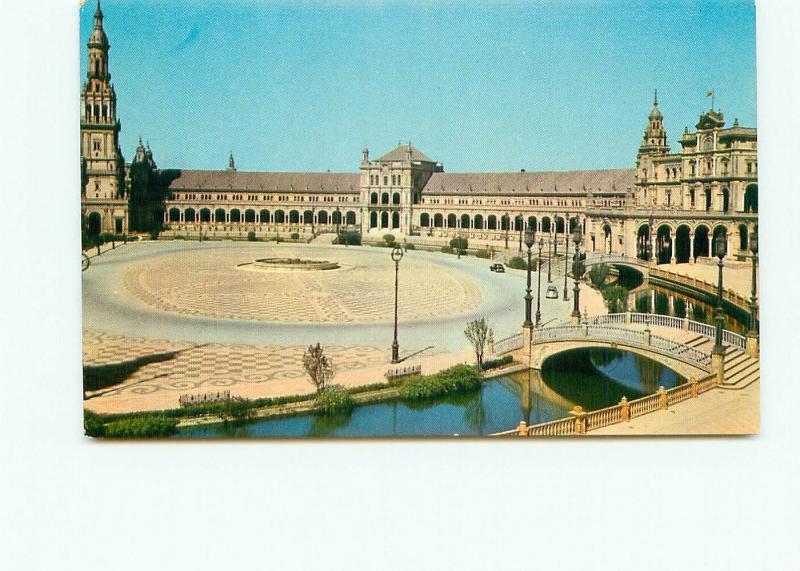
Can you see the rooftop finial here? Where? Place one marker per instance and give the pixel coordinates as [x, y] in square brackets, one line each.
[655, 99]
[231, 163]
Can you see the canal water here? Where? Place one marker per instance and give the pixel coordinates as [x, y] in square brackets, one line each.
[592, 378]
[658, 300]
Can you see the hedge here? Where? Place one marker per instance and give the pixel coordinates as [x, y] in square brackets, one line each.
[456, 379]
[494, 363]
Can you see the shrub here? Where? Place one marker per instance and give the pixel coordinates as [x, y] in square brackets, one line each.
[349, 238]
[447, 250]
[251, 236]
[483, 254]
[388, 239]
[154, 234]
[295, 236]
[410, 246]
[494, 363]
[616, 297]
[598, 274]
[92, 425]
[459, 244]
[333, 400]
[457, 379]
[144, 427]
[517, 263]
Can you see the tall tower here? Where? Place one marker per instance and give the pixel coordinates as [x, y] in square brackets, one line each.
[103, 197]
[655, 136]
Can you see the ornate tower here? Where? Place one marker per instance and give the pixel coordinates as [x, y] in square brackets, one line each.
[655, 136]
[103, 196]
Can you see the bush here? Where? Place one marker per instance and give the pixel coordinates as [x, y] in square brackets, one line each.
[388, 238]
[598, 274]
[494, 363]
[349, 238]
[447, 250]
[616, 297]
[144, 427]
[457, 379]
[410, 246]
[92, 425]
[295, 236]
[483, 254]
[459, 244]
[251, 236]
[333, 400]
[154, 234]
[517, 263]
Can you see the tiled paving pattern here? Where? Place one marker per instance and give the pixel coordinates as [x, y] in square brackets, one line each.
[208, 283]
[246, 370]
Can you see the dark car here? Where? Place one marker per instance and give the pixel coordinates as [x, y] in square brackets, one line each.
[499, 268]
[552, 292]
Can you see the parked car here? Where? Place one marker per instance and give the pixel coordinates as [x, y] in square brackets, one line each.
[552, 292]
[499, 268]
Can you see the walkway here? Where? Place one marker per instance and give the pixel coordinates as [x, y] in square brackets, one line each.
[716, 412]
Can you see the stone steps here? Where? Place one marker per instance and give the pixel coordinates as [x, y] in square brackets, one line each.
[741, 370]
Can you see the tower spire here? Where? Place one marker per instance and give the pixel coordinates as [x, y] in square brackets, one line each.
[655, 99]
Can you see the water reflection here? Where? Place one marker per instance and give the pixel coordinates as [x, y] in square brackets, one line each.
[592, 378]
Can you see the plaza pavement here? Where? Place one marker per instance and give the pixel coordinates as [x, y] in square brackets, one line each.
[737, 277]
[253, 358]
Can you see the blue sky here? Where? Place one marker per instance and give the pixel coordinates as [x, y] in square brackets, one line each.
[494, 87]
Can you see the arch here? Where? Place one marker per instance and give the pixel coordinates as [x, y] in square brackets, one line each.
[573, 222]
[294, 217]
[701, 242]
[190, 215]
[384, 219]
[546, 226]
[465, 220]
[174, 215]
[236, 215]
[437, 220]
[94, 223]
[519, 222]
[607, 243]
[385, 198]
[478, 222]
[263, 216]
[280, 217]
[743, 241]
[559, 225]
[425, 219]
[336, 217]
[373, 219]
[308, 217]
[396, 198]
[682, 246]
[249, 215]
[505, 222]
[350, 217]
[726, 199]
[205, 215]
[532, 222]
[219, 215]
[373, 198]
[452, 221]
[663, 244]
[751, 198]
[720, 233]
[322, 217]
[643, 242]
[395, 220]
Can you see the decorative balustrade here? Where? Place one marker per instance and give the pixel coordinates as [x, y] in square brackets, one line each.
[734, 339]
[203, 398]
[401, 372]
[580, 422]
[507, 344]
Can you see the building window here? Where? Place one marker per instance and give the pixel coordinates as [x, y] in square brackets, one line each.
[385, 180]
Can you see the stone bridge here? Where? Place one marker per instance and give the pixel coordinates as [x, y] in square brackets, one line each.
[682, 345]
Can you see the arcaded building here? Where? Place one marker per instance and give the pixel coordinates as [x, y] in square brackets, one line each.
[671, 207]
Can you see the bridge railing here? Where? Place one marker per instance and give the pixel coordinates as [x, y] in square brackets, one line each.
[581, 422]
[670, 322]
[507, 344]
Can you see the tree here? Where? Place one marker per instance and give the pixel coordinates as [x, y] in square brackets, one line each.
[617, 298]
[478, 332]
[318, 366]
[598, 275]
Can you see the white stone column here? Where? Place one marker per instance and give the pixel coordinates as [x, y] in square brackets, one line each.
[691, 247]
[672, 258]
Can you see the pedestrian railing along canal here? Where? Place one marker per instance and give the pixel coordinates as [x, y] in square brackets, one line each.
[581, 422]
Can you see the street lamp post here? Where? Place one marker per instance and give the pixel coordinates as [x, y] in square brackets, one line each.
[752, 332]
[529, 240]
[577, 272]
[550, 258]
[539, 284]
[520, 232]
[566, 262]
[397, 255]
[338, 223]
[719, 313]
